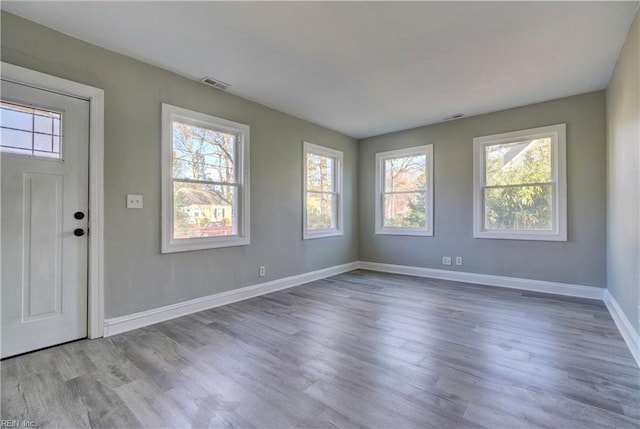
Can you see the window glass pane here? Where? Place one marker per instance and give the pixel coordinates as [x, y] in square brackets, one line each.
[203, 154]
[18, 136]
[203, 210]
[405, 210]
[518, 208]
[321, 210]
[405, 174]
[320, 172]
[522, 162]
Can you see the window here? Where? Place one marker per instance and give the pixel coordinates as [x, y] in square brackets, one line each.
[30, 131]
[520, 185]
[404, 191]
[322, 192]
[205, 181]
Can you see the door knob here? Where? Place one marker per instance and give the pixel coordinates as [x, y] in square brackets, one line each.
[78, 232]
[78, 215]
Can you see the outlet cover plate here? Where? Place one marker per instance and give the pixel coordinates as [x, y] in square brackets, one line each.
[134, 201]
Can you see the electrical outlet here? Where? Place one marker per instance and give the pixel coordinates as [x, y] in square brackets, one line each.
[458, 260]
[134, 201]
[263, 271]
[446, 260]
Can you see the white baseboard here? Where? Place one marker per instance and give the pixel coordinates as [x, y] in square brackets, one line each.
[625, 327]
[490, 280]
[129, 322]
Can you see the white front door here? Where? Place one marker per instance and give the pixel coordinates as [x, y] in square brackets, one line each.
[44, 167]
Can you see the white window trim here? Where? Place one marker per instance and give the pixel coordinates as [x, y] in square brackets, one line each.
[338, 156]
[381, 157]
[559, 189]
[169, 244]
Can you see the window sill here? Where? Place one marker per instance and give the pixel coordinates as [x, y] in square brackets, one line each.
[520, 235]
[204, 243]
[321, 234]
[404, 231]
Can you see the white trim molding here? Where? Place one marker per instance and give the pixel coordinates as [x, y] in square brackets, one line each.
[241, 210]
[129, 322]
[565, 289]
[118, 325]
[336, 191]
[558, 183]
[95, 96]
[625, 327]
[380, 189]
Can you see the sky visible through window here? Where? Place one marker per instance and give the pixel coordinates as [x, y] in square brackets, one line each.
[205, 189]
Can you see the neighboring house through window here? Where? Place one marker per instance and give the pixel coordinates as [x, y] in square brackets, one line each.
[205, 181]
[520, 189]
[322, 193]
[404, 191]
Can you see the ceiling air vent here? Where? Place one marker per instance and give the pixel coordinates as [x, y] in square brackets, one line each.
[456, 116]
[217, 84]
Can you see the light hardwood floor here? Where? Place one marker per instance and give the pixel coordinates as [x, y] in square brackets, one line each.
[357, 350]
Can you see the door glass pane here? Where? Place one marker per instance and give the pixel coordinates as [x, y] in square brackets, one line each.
[405, 174]
[517, 163]
[43, 143]
[28, 131]
[203, 210]
[518, 208]
[43, 124]
[17, 139]
[17, 118]
[405, 210]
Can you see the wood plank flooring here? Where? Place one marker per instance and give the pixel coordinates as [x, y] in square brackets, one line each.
[358, 350]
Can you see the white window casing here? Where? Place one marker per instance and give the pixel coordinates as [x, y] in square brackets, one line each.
[426, 192]
[219, 235]
[557, 230]
[334, 193]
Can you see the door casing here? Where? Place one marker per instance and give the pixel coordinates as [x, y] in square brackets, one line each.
[95, 96]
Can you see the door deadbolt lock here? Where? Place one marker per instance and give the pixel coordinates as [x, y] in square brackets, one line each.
[78, 215]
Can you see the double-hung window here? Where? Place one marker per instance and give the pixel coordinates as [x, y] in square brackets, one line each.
[322, 193]
[520, 185]
[404, 191]
[205, 181]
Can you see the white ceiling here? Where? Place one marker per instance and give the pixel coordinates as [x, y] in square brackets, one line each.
[364, 68]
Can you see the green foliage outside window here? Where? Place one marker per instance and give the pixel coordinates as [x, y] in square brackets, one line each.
[518, 190]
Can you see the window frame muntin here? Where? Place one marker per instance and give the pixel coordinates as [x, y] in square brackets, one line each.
[557, 133]
[380, 173]
[338, 191]
[171, 114]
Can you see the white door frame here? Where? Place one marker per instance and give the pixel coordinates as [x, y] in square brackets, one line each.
[95, 96]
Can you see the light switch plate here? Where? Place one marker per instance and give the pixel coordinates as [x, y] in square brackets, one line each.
[134, 201]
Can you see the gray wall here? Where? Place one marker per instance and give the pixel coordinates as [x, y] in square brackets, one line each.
[623, 156]
[137, 276]
[580, 261]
